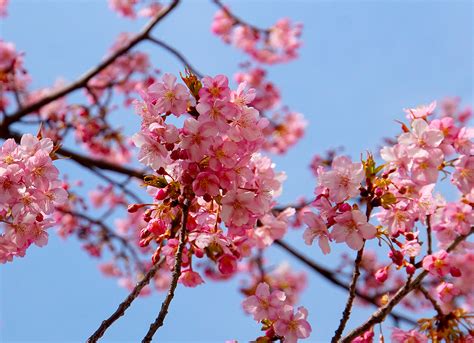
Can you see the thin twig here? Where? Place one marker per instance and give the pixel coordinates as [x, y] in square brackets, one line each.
[379, 315]
[120, 311]
[238, 20]
[174, 280]
[176, 53]
[428, 234]
[353, 286]
[329, 275]
[431, 300]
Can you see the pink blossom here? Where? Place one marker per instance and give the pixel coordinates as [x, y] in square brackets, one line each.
[316, 229]
[206, 183]
[446, 292]
[343, 180]
[236, 207]
[169, 96]
[437, 264]
[264, 305]
[216, 88]
[421, 112]
[291, 325]
[352, 227]
[190, 278]
[412, 336]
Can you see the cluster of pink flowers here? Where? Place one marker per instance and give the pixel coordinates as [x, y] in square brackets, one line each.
[337, 186]
[128, 8]
[212, 160]
[29, 192]
[278, 44]
[279, 318]
[3, 8]
[286, 127]
[13, 77]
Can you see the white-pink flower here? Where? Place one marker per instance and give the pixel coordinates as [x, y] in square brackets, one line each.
[264, 304]
[343, 179]
[316, 229]
[352, 227]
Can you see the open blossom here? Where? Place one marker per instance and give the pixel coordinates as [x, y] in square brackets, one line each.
[412, 336]
[343, 179]
[292, 325]
[352, 227]
[30, 192]
[169, 97]
[421, 112]
[437, 264]
[237, 207]
[316, 229]
[421, 137]
[264, 304]
[206, 183]
[447, 291]
[190, 278]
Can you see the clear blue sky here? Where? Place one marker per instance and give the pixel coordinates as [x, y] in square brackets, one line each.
[362, 62]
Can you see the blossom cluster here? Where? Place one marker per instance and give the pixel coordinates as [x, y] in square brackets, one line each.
[128, 8]
[213, 161]
[285, 127]
[338, 185]
[13, 77]
[278, 44]
[279, 318]
[402, 192]
[29, 192]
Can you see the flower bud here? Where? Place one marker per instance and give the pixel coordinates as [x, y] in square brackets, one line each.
[381, 275]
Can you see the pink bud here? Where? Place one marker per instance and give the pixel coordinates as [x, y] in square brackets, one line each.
[378, 191]
[455, 272]
[227, 264]
[381, 275]
[410, 269]
[344, 207]
[161, 194]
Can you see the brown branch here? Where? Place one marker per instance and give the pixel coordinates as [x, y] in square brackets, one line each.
[176, 53]
[174, 280]
[84, 79]
[120, 311]
[350, 300]
[237, 20]
[353, 286]
[428, 234]
[329, 275]
[379, 315]
[431, 300]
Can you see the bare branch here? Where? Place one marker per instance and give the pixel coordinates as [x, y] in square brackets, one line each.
[120, 311]
[176, 53]
[174, 280]
[329, 275]
[379, 315]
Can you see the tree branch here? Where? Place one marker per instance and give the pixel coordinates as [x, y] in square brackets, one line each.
[174, 281]
[379, 315]
[353, 286]
[329, 275]
[82, 81]
[238, 20]
[120, 311]
[176, 54]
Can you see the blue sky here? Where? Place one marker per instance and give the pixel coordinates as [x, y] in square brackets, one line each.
[362, 62]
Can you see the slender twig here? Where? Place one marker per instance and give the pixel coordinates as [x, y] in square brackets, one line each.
[431, 300]
[120, 311]
[379, 315]
[350, 300]
[83, 80]
[329, 275]
[176, 53]
[174, 279]
[238, 20]
[428, 234]
[353, 286]
[109, 233]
